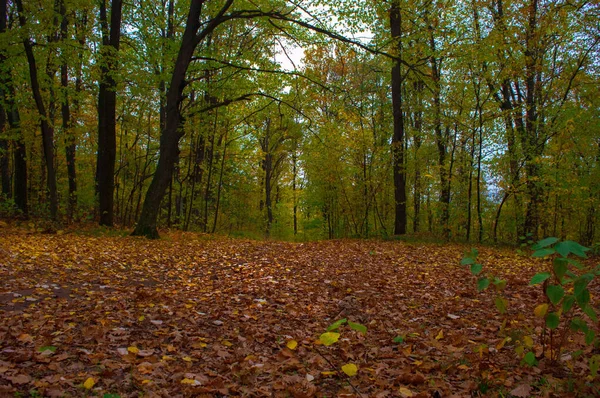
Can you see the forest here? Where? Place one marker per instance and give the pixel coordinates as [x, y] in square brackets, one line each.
[471, 121]
[342, 198]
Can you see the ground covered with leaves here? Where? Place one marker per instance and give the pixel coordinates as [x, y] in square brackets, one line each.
[192, 315]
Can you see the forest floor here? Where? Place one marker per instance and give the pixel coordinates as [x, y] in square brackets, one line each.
[194, 315]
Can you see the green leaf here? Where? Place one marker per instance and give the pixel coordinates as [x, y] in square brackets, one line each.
[589, 311]
[590, 336]
[539, 278]
[582, 282]
[544, 243]
[467, 261]
[111, 396]
[483, 284]
[476, 269]
[575, 263]
[594, 365]
[399, 339]
[329, 338]
[555, 293]
[500, 284]
[543, 253]
[501, 304]
[578, 325]
[561, 267]
[567, 247]
[358, 327]
[50, 348]
[336, 324]
[552, 320]
[568, 303]
[530, 359]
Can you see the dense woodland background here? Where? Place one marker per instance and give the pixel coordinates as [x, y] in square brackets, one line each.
[469, 120]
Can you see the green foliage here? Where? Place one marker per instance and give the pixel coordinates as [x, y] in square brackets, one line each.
[333, 332]
[560, 278]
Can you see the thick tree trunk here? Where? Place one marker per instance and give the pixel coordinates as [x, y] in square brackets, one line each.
[169, 140]
[47, 129]
[107, 107]
[398, 115]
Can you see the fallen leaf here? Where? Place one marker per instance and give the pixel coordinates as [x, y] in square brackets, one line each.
[292, 344]
[350, 369]
[329, 338]
[89, 383]
[521, 391]
[19, 379]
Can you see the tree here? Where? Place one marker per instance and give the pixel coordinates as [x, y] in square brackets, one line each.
[45, 117]
[107, 105]
[398, 111]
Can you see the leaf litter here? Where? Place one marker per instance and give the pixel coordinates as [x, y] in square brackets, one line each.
[202, 316]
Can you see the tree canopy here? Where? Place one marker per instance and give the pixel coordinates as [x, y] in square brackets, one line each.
[468, 120]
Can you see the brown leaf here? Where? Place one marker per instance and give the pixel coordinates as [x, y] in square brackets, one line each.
[521, 391]
[19, 379]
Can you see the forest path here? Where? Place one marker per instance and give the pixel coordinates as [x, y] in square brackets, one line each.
[191, 315]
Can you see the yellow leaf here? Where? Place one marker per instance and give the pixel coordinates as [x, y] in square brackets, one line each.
[541, 310]
[528, 341]
[187, 359]
[141, 318]
[500, 345]
[146, 381]
[89, 383]
[189, 381]
[292, 344]
[405, 392]
[227, 343]
[133, 350]
[350, 369]
[167, 358]
[329, 338]
[463, 367]
[440, 335]
[328, 373]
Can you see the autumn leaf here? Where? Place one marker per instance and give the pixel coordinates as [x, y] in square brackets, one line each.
[292, 344]
[329, 338]
[350, 369]
[440, 335]
[133, 350]
[89, 383]
[405, 392]
[522, 391]
[541, 310]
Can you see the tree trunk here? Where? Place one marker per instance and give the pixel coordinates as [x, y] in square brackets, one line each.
[398, 115]
[169, 140]
[4, 157]
[531, 146]
[4, 148]
[67, 124]
[107, 108]
[47, 128]
[419, 86]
